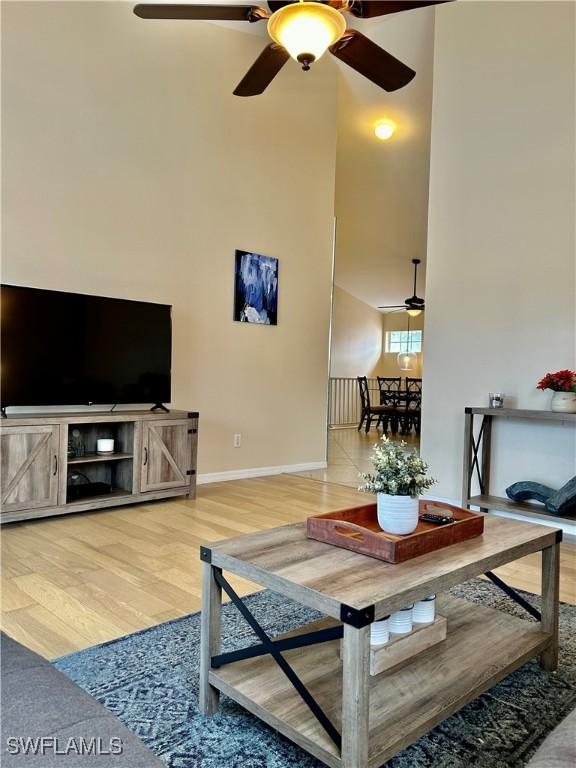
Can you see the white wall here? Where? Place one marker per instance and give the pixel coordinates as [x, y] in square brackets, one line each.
[357, 337]
[130, 170]
[500, 291]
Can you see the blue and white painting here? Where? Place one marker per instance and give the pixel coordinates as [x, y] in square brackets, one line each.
[256, 289]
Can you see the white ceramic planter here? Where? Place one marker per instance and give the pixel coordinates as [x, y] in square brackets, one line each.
[397, 514]
[563, 402]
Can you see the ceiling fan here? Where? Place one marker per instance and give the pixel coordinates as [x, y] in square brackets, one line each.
[414, 305]
[304, 30]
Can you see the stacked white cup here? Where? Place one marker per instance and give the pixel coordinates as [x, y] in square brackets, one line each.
[424, 611]
[379, 632]
[400, 622]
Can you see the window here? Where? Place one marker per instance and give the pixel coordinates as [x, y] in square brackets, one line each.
[397, 341]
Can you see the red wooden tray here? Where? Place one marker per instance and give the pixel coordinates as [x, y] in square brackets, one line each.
[357, 529]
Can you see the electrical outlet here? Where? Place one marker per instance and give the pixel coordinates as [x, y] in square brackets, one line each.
[237, 441]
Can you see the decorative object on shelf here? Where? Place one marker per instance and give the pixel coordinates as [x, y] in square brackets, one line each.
[400, 477]
[104, 445]
[424, 611]
[76, 447]
[563, 385]
[256, 289]
[496, 400]
[561, 502]
[400, 622]
[379, 632]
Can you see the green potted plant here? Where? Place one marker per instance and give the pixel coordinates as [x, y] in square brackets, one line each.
[399, 477]
[563, 385]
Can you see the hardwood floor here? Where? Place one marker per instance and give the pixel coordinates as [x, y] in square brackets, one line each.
[77, 580]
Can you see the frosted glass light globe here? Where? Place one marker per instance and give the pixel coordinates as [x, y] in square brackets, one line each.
[306, 29]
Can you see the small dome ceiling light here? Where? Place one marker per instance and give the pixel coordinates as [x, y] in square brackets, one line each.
[384, 129]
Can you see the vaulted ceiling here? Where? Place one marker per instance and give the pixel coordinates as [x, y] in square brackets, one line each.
[381, 187]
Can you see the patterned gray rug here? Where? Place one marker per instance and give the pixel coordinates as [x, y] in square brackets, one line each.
[150, 681]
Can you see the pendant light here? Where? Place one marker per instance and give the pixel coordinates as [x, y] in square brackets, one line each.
[407, 359]
[306, 30]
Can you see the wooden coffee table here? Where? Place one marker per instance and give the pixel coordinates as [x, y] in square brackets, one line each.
[332, 707]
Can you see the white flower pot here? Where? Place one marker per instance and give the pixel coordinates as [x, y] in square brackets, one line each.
[397, 514]
[563, 402]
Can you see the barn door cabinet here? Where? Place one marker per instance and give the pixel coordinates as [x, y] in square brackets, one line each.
[154, 458]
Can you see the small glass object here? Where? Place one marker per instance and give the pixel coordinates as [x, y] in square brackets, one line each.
[496, 400]
[76, 444]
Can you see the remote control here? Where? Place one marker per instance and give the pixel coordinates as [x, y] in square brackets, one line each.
[428, 517]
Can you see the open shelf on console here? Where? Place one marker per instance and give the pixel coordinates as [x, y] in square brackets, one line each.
[117, 474]
[88, 434]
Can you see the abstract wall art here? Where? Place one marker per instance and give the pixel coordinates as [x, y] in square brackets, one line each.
[255, 289]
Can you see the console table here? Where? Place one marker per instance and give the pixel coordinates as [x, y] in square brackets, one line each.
[332, 707]
[154, 458]
[477, 458]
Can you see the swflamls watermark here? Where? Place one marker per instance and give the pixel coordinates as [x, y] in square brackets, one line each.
[45, 745]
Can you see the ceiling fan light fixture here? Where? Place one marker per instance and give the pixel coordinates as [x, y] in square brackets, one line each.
[306, 30]
[414, 312]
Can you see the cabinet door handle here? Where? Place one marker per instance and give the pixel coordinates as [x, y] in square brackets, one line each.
[55, 465]
[145, 455]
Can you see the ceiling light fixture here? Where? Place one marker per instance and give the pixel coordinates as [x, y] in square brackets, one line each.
[384, 129]
[414, 312]
[407, 360]
[306, 30]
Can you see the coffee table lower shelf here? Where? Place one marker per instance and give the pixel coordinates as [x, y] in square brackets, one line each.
[483, 646]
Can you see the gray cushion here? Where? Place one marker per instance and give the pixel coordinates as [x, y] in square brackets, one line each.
[558, 750]
[39, 701]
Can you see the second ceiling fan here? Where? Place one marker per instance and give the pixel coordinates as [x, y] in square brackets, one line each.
[414, 305]
[304, 31]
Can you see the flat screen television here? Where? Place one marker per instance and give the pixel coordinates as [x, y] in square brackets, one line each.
[72, 349]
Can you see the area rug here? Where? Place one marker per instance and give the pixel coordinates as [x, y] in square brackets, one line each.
[150, 681]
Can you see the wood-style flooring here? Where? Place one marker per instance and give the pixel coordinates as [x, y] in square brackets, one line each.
[73, 581]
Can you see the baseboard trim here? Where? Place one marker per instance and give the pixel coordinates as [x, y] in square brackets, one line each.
[244, 474]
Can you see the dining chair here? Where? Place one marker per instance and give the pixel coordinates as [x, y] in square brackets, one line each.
[388, 384]
[413, 385]
[382, 413]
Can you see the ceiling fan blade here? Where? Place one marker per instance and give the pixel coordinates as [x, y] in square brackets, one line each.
[367, 58]
[368, 9]
[263, 71]
[201, 12]
[394, 306]
[275, 5]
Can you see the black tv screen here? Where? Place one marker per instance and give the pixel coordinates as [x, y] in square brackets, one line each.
[71, 349]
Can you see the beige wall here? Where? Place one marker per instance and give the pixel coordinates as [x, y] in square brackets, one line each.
[130, 170]
[356, 337]
[500, 291]
[382, 187]
[398, 321]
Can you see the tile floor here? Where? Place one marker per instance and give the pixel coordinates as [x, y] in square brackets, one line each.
[348, 454]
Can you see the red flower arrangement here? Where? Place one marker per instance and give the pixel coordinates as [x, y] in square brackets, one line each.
[561, 381]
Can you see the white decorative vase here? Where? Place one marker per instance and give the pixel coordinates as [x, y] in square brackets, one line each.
[397, 514]
[563, 402]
